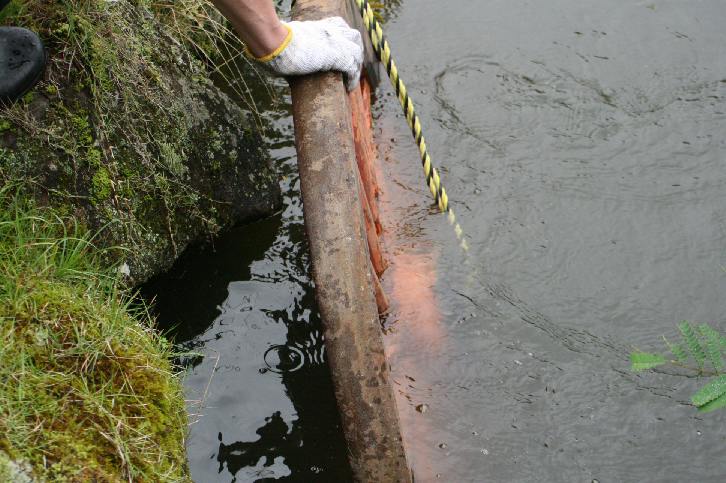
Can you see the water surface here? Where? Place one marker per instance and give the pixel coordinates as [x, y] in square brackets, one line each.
[582, 145]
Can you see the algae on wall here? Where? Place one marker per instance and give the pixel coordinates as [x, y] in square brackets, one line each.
[128, 133]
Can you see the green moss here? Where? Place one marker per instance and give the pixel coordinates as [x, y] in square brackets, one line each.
[101, 184]
[114, 110]
[172, 160]
[28, 98]
[86, 388]
[81, 129]
[13, 9]
[51, 90]
[93, 157]
[118, 118]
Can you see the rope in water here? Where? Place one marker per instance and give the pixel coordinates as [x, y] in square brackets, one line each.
[433, 180]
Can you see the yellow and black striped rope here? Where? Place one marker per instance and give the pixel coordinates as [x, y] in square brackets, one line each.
[433, 180]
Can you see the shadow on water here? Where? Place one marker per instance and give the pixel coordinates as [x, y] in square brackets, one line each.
[260, 394]
[203, 274]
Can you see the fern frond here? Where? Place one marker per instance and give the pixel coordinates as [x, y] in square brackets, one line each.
[710, 392]
[641, 361]
[713, 346]
[692, 343]
[678, 351]
[715, 404]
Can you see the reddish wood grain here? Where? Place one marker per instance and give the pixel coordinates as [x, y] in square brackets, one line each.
[365, 151]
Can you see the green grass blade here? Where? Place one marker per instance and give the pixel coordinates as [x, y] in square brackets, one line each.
[693, 344]
[713, 346]
[710, 392]
[641, 361]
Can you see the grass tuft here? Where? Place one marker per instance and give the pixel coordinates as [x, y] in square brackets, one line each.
[87, 392]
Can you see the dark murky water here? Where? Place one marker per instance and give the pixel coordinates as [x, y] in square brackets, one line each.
[258, 388]
[582, 144]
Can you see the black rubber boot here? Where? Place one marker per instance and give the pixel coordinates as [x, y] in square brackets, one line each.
[22, 62]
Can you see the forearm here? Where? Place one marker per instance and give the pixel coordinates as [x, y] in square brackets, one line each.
[256, 22]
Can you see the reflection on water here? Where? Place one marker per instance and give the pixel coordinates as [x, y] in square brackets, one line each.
[269, 451]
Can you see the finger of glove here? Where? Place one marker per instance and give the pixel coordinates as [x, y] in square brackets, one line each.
[336, 52]
[353, 70]
[339, 25]
[353, 36]
[352, 55]
[342, 28]
[352, 77]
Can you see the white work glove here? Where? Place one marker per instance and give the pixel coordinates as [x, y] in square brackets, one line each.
[318, 45]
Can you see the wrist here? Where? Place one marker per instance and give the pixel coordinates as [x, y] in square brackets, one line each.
[271, 42]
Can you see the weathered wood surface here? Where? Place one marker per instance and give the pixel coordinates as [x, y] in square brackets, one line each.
[345, 282]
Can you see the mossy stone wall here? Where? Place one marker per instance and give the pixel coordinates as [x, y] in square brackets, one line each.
[128, 133]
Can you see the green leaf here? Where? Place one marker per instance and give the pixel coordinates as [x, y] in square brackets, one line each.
[692, 342]
[641, 361]
[678, 351]
[710, 392]
[713, 345]
[715, 404]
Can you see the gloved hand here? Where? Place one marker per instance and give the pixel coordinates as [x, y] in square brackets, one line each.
[320, 45]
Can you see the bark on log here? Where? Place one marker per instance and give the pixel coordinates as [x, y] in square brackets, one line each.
[381, 299]
[365, 153]
[374, 247]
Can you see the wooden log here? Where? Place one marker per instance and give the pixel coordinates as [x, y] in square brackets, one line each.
[344, 282]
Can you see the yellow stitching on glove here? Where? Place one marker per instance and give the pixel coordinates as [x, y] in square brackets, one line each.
[274, 53]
